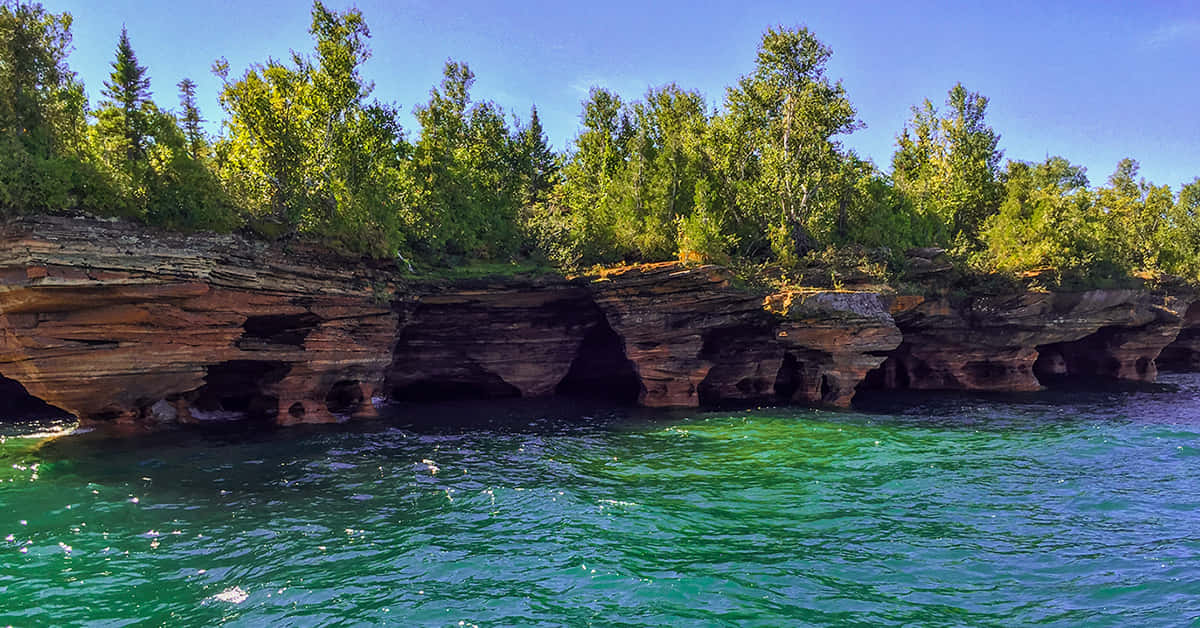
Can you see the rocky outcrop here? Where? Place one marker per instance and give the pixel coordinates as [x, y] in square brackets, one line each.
[1020, 342]
[694, 338]
[119, 324]
[1183, 354]
[131, 325]
[510, 338]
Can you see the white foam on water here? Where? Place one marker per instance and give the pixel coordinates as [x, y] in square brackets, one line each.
[232, 595]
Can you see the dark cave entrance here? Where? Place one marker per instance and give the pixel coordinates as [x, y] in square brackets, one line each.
[600, 370]
[238, 387]
[344, 397]
[16, 404]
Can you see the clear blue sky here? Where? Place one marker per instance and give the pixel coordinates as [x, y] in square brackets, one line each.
[1093, 81]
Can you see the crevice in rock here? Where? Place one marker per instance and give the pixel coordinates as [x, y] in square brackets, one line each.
[891, 374]
[239, 389]
[601, 370]
[829, 389]
[800, 379]
[19, 405]
[789, 378]
[278, 329]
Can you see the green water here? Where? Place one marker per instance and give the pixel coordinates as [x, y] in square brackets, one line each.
[1058, 509]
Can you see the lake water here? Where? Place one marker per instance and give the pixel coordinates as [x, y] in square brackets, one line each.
[1077, 508]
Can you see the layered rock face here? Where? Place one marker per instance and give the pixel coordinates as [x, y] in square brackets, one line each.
[113, 323]
[1184, 353]
[1020, 342]
[514, 338]
[695, 339]
[119, 324]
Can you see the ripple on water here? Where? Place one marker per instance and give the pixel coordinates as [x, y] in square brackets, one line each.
[1071, 509]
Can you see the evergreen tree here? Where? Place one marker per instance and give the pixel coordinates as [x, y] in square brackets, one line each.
[128, 89]
[191, 119]
[539, 160]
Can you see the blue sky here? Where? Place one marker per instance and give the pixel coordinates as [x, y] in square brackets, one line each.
[1093, 81]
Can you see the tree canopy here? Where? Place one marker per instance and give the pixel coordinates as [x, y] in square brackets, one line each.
[763, 176]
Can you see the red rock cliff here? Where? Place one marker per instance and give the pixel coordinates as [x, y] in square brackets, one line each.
[114, 322]
[1020, 342]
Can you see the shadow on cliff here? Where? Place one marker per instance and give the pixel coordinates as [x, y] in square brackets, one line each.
[17, 405]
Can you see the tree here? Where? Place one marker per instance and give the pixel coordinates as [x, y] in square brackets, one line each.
[538, 161]
[787, 115]
[42, 114]
[466, 167]
[307, 150]
[191, 120]
[128, 89]
[949, 163]
[1179, 241]
[1047, 220]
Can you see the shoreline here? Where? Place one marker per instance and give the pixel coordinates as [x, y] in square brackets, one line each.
[120, 324]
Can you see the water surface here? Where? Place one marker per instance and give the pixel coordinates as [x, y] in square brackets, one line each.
[1077, 508]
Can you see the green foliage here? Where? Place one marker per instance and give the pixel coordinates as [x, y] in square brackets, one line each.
[1047, 219]
[128, 94]
[638, 174]
[1179, 236]
[191, 121]
[948, 164]
[306, 148]
[468, 172]
[157, 172]
[42, 115]
[1052, 219]
[784, 119]
[762, 182]
[538, 163]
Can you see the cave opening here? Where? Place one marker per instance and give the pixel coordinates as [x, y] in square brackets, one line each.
[1080, 361]
[238, 389]
[1183, 353]
[344, 397]
[891, 374]
[789, 378]
[18, 405]
[600, 370]
[743, 365]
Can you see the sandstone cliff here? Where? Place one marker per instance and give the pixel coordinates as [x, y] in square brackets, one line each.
[1021, 342]
[118, 324]
[115, 323]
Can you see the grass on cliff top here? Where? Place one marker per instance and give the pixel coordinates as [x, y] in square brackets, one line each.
[478, 269]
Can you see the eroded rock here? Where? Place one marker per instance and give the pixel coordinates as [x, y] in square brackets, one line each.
[1014, 342]
[120, 323]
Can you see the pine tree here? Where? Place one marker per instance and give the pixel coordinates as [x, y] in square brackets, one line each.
[128, 88]
[542, 163]
[191, 118]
